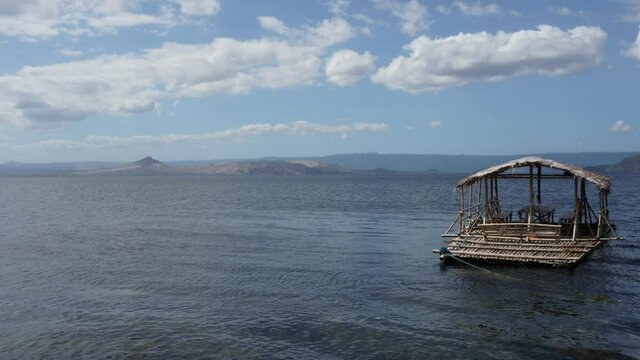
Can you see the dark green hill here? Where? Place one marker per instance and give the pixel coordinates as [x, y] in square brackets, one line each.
[629, 165]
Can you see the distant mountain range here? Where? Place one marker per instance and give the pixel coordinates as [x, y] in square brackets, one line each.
[144, 166]
[629, 165]
[150, 166]
[371, 163]
[270, 167]
[438, 163]
[460, 163]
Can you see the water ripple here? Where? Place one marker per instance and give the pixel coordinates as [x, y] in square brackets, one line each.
[288, 267]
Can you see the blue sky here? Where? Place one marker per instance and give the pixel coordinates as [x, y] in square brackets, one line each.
[208, 79]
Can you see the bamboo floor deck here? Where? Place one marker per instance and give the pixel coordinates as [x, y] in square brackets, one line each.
[554, 252]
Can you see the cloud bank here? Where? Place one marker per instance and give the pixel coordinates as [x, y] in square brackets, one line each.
[136, 82]
[633, 51]
[43, 19]
[477, 9]
[412, 15]
[242, 133]
[199, 7]
[435, 64]
[346, 67]
[620, 127]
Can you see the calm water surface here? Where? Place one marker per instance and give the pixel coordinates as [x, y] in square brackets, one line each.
[318, 267]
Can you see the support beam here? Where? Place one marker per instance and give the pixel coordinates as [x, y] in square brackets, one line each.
[577, 208]
[486, 202]
[600, 204]
[530, 212]
[461, 210]
[599, 232]
[583, 195]
[470, 204]
[479, 200]
[526, 176]
[539, 187]
[491, 187]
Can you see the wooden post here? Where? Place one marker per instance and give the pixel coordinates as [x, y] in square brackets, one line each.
[461, 209]
[599, 199]
[479, 196]
[588, 211]
[539, 183]
[599, 232]
[577, 208]
[530, 194]
[491, 186]
[470, 203]
[486, 202]
[583, 209]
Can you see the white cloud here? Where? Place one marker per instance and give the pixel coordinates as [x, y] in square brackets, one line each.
[43, 19]
[632, 10]
[136, 82]
[442, 9]
[435, 124]
[124, 20]
[346, 67]
[70, 52]
[298, 128]
[273, 24]
[633, 51]
[338, 7]
[412, 14]
[199, 7]
[328, 32]
[435, 64]
[477, 8]
[364, 18]
[30, 19]
[620, 127]
[564, 11]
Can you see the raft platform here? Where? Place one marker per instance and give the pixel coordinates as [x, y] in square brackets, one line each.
[488, 233]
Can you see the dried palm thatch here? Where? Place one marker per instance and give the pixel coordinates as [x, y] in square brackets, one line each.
[601, 181]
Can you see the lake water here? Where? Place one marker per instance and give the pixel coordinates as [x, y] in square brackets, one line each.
[316, 267]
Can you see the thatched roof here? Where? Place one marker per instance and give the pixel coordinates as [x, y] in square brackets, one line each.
[601, 181]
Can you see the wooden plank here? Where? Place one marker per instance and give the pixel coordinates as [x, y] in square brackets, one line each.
[565, 243]
[570, 244]
[509, 256]
[559, 240]
[525, 176]
[520, 225]
[525, 248]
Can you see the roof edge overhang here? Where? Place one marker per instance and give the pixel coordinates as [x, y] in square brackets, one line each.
[601, 181]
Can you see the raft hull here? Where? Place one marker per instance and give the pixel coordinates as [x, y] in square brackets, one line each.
[550, 252]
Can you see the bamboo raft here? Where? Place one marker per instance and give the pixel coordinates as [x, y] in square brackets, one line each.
[486, 233]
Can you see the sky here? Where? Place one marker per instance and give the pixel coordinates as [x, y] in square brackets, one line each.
[218, 79]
